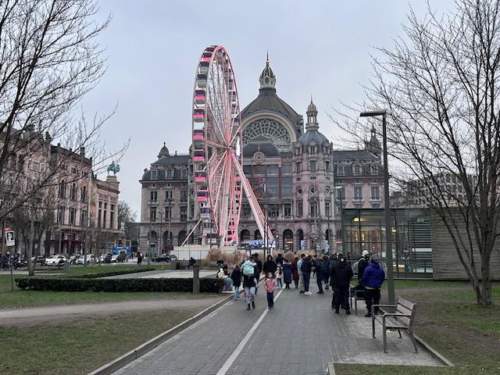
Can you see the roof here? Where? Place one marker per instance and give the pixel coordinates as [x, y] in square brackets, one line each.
[340, 155]
[312, 136]
[268, 100]
[173, 160]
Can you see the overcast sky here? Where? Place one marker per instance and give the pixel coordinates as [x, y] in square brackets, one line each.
[318, 48]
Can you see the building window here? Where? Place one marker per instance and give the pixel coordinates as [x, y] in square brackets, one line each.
[83, 218]
[72, 215]
[374, 169]
[313, 208]
[312, 165]
[375, 193]
[184, 196]
[358, 193]
[168, 213]
[152, 214]
[168, 195]
[246, 210]
[60, 215]
[327, 209]
[340, 193]
[105, 215]
[83, 194]
[327, 166]
[300, 208]
[62, 189]
[73, 192]
[298, 167]
[287, 209]
[340, 170]
[153, 196]
[99, 216]
[357, 170]
[184, 213]
[274, 210]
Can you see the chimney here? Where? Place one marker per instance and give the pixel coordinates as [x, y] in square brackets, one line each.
[82, 151]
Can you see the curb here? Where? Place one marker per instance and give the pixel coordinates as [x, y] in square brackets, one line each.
[149, 345]
[434, 352]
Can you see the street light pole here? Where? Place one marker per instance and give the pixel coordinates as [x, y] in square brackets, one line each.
[387, 214]
[339, 188]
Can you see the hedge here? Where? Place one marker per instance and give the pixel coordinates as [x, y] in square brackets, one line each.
[207, 285]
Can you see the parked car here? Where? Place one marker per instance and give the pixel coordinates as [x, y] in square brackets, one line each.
[55, 260]
[40, 260]
[108, 258]
[162, 258]
[89, 258]
[72, 259]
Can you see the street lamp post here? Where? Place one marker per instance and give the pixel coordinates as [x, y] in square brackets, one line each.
[339, 188]
[387, 217]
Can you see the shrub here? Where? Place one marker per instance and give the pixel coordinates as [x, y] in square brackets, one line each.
[207, 285]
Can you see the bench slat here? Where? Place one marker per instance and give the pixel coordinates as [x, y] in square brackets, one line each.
[409, 305]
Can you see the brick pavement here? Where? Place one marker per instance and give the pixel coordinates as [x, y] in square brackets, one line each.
[300, 336]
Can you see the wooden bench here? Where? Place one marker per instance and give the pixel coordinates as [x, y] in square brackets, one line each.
[395, 318]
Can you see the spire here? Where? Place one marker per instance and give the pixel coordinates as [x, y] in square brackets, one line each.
[312, 116]
[373, 145]
[267, 78]
[163, 151]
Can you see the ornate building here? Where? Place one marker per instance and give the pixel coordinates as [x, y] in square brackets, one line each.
[293, 172]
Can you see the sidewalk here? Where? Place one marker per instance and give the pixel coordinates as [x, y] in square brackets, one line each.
[59, 313]
[300, 336]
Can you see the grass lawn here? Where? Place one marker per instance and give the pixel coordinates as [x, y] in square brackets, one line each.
[29, 298]
[448, 319]
[80, 346]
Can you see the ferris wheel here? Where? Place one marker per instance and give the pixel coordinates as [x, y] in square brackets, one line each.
[217, 163]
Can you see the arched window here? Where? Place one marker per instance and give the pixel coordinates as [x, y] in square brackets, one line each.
[62, 189]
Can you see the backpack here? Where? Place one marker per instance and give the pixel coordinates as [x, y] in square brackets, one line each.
[248, 269]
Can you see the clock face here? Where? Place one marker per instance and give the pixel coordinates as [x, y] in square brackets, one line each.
[259, 157]
[267, 130]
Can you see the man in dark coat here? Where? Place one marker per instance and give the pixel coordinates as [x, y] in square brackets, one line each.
[257, 270]
[373, 278]
[306, 268]
[341, 278]
[318, 266]
[279, 260]
[270, 266]
[362, 264]
[287, 273]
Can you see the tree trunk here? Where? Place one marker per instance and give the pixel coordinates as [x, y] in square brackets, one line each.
[31, 270]
[485, 290]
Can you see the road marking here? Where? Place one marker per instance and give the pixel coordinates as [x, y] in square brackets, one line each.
[229, 362]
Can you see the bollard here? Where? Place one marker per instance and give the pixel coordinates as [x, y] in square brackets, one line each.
[196, 278]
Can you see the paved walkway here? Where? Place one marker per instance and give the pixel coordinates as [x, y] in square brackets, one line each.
[300, 336]
[37, 315]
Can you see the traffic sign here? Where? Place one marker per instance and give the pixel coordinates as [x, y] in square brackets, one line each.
[10, 239]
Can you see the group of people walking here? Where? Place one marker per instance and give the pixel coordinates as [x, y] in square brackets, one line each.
[333, 271]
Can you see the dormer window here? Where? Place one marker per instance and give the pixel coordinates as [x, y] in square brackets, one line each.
[357, 170]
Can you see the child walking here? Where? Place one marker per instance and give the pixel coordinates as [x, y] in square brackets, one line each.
[270, 285]
[279, 277]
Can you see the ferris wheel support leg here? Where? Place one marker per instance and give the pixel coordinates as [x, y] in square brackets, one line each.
[254, 203]
[190, 233]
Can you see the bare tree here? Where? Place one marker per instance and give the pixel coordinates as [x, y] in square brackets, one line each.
[49, 59]
[439, 84]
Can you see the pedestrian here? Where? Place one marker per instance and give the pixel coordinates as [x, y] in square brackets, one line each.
[139, 258]
[362, 264]
[341, 278]
[279, 277]
[306, 268]
[373, 278]
[249, 284]
[287, 273]
[318, 267]
[257, 269]
[236, 277]
[270, 285]
[270, 266]
[295, 272]
[280, 260]
[325, 271]
[301, 278]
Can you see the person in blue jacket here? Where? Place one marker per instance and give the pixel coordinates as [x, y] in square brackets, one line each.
[373, 278]
[287, 273]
